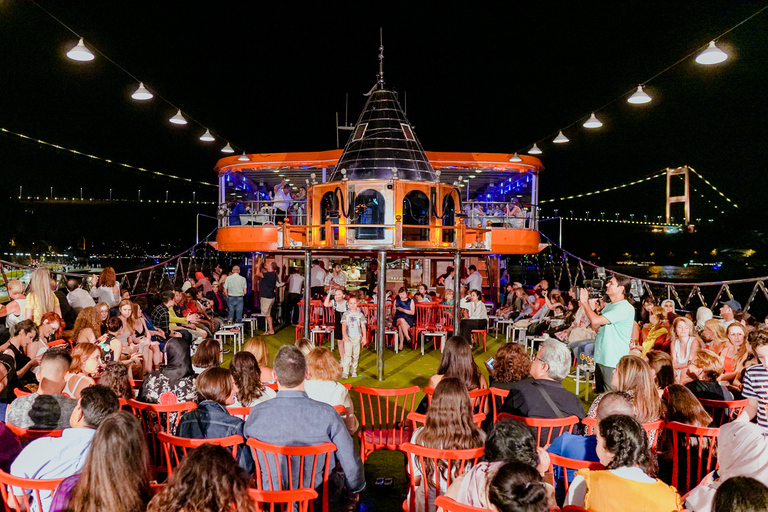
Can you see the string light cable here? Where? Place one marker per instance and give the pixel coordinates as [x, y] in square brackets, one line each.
[609, 189]
[107, 160]
[712, 186]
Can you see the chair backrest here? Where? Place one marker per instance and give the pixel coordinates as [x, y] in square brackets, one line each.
[446, 316]
[340, 409]
[329, 316]
[438, 469]
[652, 428]
[385, 410]
[285, 468]
[694, 453]
[26, 435]
[20, 392]
[450, 505]
[566, 464]
[499, 395]
[723, 411]
[279, 501]
[417, 419]
[575, 508]
[182, 445]
[546, 429]
[156, 418]
[19, 493]
[426, 315]
[478, 397]
[240, 412]
[136, 383]
[369, 310]
[272, 386]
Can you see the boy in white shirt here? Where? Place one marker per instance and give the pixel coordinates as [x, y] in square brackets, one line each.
[354, 332]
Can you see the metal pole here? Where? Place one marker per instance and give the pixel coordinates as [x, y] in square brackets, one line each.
[197, 229]
[382, 315]
[456, 289]
[561, 232]
[307, 285]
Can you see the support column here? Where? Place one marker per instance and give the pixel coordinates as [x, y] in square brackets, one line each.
[307, 289]
[381, 313]
[456, 288]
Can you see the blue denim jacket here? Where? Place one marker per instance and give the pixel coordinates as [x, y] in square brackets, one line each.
[211, 420]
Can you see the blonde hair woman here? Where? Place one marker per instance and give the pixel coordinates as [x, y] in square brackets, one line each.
[635, 376]
[14, 310]
[715, 334]
[685, 343]
[41, 299]
[321, 385]
[258, 347]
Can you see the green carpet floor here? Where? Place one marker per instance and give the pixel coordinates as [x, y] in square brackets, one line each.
[405, 369]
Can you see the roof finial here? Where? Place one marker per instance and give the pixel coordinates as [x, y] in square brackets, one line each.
[381, 58]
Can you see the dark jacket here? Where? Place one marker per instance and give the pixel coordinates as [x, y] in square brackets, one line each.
[525, 400]
[211, 420]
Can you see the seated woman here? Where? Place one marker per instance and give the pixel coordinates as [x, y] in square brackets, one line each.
[717, 341]
[627, 483]
[655, 331]
[247, 374]
[704, 369]
[219, 301]
[425, 296]
[14, 310]
[511, 364]
[176, 377]
[448, 426]
[448, 299]
[115, 377]
[457, 361]
[739, 358]
[661, 364]
[22, 334]
[322, 385]
[41, 299]
[634, 376]
[86, 362]
[142, 333]
[478, 314]
[211, 419]
[405, 315]
[305, 345]
[87, 326]
[684, 344]
[258, 347]
[517, 487]
[207, 355]
[50, 329]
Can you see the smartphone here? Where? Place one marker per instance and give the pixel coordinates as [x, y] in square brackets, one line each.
[489, 362]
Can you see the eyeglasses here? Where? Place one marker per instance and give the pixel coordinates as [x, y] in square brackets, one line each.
[537, 358]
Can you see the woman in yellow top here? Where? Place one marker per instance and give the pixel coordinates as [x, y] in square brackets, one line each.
[656, 330]
[40, 299]
[625, 485]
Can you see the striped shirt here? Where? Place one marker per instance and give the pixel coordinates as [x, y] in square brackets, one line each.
[756, 387]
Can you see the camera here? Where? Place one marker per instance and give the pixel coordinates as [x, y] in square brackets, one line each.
[597, 286]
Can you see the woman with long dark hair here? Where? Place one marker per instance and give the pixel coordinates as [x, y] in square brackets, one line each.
[176, 377]
[457, 361]
[627, 482]
[247, 374]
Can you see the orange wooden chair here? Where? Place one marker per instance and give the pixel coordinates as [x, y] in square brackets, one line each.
[450, 505]
[156, 418]
[285, 468]
[315, 316]
[417, 419]
[20, 392]
[455, 463]
[446, 316]
[498, 396]
[723, 411]
[546, 429]
[426, 320]
[369, 310]
[564, 463]
[476, 334]
[478, 397]
[652, 428]
[19, 493]
[27, 435]
[240, 412]
[182, 445]
[696, 464]
[574, 508]
[384, 424]
[279, 501]
[272, 386]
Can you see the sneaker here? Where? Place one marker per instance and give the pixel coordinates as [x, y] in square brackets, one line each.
[344, 376]
[354, 374]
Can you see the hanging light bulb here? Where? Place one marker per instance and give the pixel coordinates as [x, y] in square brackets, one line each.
[80, 52]
[515, 158]
[178, 118]
[534, 150]
[227, 149]
[243, 158]
[593, 122]
[142, 93]
[561, 138]
[639, 96]
[712, 55]
[207, 137]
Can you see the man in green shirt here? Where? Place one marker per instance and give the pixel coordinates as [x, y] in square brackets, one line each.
[614, 329]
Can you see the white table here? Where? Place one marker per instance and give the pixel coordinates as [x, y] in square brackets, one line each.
[239, 338]
[443, 335]
[322, 330]
[507, 326]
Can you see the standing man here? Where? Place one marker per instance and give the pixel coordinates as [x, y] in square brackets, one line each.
[317, 280]
[372, 277]
[336, 280]
[295, 285]
[614, 332]
[728, 310]
[448, 279]
[236, 286]
[474, 280]
[267, 292]
[282, 201]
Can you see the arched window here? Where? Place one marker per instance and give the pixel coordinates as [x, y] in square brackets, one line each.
[415, 213]
[369, 209]
[449, 217]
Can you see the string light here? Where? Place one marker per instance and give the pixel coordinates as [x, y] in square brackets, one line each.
[534, 150]
[639, 97]
[712, 55]
[561, 138]
[515, 158]
[227, 149]
[662, 173]
[593, 122]
[97, 200]
[80, 52]
[207, 137]
[178, 118]
[141, 93]
[94, 157]
[712, 186]
[243, 158]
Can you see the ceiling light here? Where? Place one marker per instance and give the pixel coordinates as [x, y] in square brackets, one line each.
[534, 150]
[561, 138]
[207, 137]
[243, 158]
[472, 176]
[227, 149]
[142, 93]
[593, 122]
[639, 96]
[178, 118]
[515, 158]
[712, 55]
[80, 52]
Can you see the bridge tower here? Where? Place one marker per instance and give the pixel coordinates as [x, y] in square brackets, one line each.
[685, 198]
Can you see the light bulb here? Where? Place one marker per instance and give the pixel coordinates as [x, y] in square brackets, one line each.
[227, 149]
[639, 96]
[243, 158]
[515, 158]
[142, 93]
[80, 52]
[593, 122]
[560, 139]
[178, 118]
[207, 137]
[712, 55]
[534, 150]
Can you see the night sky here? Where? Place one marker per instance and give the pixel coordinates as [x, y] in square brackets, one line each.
[481, 77]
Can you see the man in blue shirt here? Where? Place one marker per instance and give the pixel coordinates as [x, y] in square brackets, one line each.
[59, 457]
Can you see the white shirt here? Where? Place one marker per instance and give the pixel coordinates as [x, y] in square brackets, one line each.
[317, 276]
[282, 199]
[448, 281]
[477, 310]
[295, 281]
[332, 393]
[235, 285]
[474, 281]
[79, 298]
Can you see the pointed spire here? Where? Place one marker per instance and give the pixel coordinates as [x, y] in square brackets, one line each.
[381, 58]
